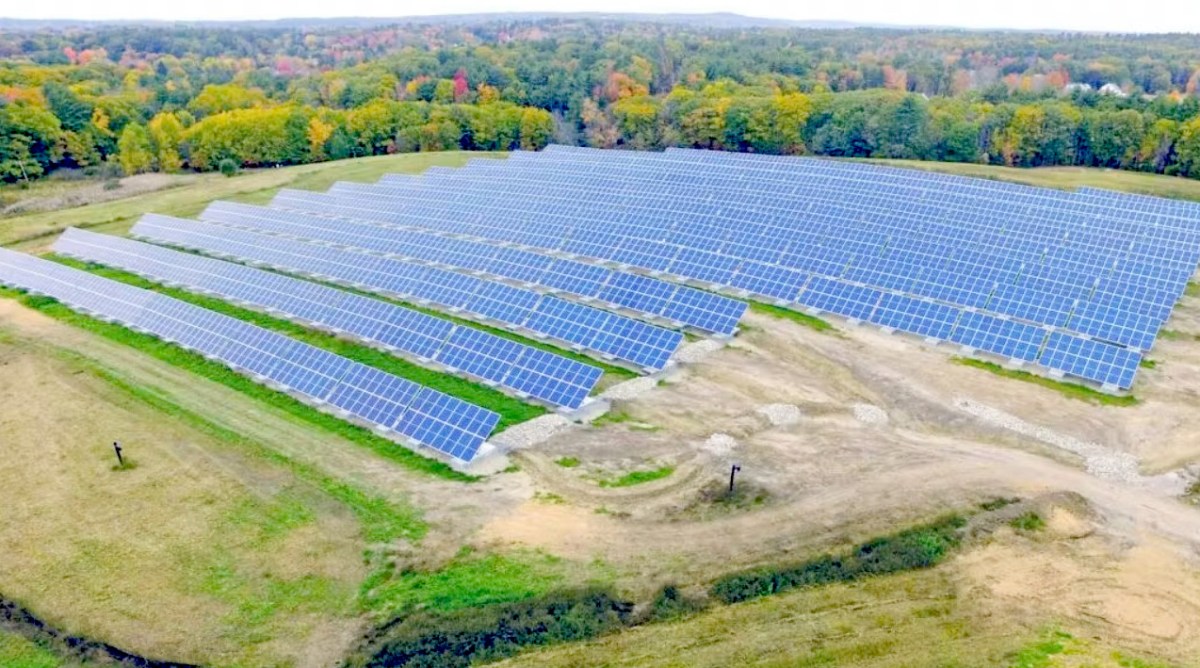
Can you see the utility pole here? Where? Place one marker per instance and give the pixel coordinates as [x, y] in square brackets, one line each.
[120, 461]
[733, 471]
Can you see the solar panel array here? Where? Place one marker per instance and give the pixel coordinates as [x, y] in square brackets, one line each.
[681, 305]
[1079, 283]
[528, 371]
[582, 327]
[390, 404]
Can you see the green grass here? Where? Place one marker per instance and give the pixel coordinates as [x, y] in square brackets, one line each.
[622, 417]
[1072, 390]
[567, 462]
[467, 581]
[638, 477]
[1040, 654]
[1028, 522]
[1148, 363]
[810, 321]
[214, 371]
[194, 192]
[512, 411]
[1192, 289]
[18, 652]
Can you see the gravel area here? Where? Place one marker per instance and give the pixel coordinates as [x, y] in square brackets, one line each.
[868, 414]
[1104, 463]
[720, 445]
[630, 389]
[531, 433]
[694, 352]
[780, 415]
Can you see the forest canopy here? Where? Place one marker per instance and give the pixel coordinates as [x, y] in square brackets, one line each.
[129, 99]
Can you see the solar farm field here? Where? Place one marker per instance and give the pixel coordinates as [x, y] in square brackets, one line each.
[583, 407]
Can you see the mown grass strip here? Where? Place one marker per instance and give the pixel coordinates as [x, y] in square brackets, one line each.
[381, 520]
[185, 359]
[1072, 390]
[810, 321]
[919, 547]
[512, 410]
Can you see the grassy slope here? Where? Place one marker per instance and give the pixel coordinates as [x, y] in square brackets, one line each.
[194, 193]
[911, 619]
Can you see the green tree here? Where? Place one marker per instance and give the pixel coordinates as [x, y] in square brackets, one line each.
[166, 134]
[134, 151]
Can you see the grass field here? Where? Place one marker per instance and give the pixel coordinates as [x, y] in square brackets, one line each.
[1066, 178]
[191, 193]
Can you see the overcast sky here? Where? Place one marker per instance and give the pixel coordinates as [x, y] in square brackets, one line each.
[1102, 15]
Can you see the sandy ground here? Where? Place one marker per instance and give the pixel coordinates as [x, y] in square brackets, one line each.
[882, 441]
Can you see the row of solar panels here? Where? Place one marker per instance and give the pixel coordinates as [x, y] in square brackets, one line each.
[388, 403]
[1131, 319]
[883, 205]
[1087, 311]
[613, 336]
[1042, 288]
[429, 340]
[681, 305]
[965, 191]
[987, 210]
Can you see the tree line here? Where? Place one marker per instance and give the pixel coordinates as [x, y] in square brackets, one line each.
[136, 98]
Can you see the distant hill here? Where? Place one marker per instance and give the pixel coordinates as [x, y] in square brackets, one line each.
[714, 20]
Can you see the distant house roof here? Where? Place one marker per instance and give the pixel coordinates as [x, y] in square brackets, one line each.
[1112, 89]
[1072, 87]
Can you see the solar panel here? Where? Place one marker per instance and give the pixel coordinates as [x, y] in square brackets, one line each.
[1051, 262]
[680, 304]
[389, 404]
[609, 335]
[430, 340]
[1106, 274]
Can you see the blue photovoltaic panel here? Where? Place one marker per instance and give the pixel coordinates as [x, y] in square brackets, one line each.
[424, 416]
[1091, 263]
[416, 334]
[1091, 359]
[614, 336]
[703, 310]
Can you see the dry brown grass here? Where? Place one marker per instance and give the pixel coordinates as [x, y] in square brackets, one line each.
[197, 554]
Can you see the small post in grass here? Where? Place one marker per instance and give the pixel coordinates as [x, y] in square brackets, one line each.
[117, 449]
[733, 471]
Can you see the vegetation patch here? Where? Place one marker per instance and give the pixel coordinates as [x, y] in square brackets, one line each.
[468, 637]
[467, 581]
[512, 411]
[19, 652]
[1148, 363]
[567, 462]
[623, 417]
[1072, 390]
[998, 503]
[1028, 522]
[810, 321]
[214, 371]
[1040, 654]
[638, 477]
[920, 547]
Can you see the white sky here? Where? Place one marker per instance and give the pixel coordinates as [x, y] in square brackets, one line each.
[1098, 15]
